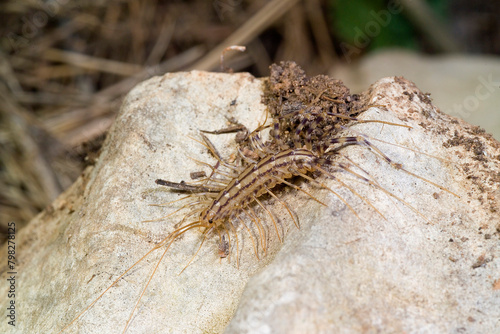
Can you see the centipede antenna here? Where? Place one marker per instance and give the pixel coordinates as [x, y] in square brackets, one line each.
[284, 204]
[174, 237]
[230, 129]
[205, 233]
[270, 215]
[168, 203]
[171, 236]
[174, 212]
[183, 186]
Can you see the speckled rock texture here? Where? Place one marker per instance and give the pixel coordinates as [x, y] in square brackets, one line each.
[427, 261]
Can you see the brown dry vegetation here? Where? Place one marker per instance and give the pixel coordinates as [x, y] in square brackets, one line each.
[65, 67]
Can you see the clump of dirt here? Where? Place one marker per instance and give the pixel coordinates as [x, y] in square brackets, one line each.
[307, 111]
[471, 144]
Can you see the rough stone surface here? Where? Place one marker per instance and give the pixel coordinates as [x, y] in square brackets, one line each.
[464, 86]
[431, 265]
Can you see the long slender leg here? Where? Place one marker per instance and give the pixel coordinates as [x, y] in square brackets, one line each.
[361, 141]
[251, 237]
[228, 243]
[237, 243]
[361, 197]
[214, 152]
[298, 188]
[169, 203]
[286, 207]
[221, 245]
[322, 185]
[397, 145]
[376, 185]
[375, 181]
[335, 178]
[172, 213]
[270, 215]
[173, 237]
[260, 227]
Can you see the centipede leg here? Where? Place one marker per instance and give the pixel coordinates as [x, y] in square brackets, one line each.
[251, 237]
[362, 141]
[378, 186]
[258, 223]
[322, 185]
[298, 188]
[335, 178]
[286, 207]
[270, 215]
[237, 243]
[358, 195]
[228, 243]
[221, 245]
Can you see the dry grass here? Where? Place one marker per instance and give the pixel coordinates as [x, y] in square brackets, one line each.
[66, 66]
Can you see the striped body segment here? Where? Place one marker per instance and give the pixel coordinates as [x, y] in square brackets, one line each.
[256, 180]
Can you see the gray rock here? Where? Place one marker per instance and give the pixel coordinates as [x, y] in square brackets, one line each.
[430, 264]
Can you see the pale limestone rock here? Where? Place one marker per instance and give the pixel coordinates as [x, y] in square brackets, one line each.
[340, 274]
[431, 269]
[462, 85]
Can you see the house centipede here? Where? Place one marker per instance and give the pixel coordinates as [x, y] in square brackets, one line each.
[228, 195]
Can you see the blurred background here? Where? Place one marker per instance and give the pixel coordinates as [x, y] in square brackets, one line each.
[66, 65]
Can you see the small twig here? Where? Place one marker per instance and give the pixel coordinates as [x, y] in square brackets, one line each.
[239, 48]
[183, 186]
